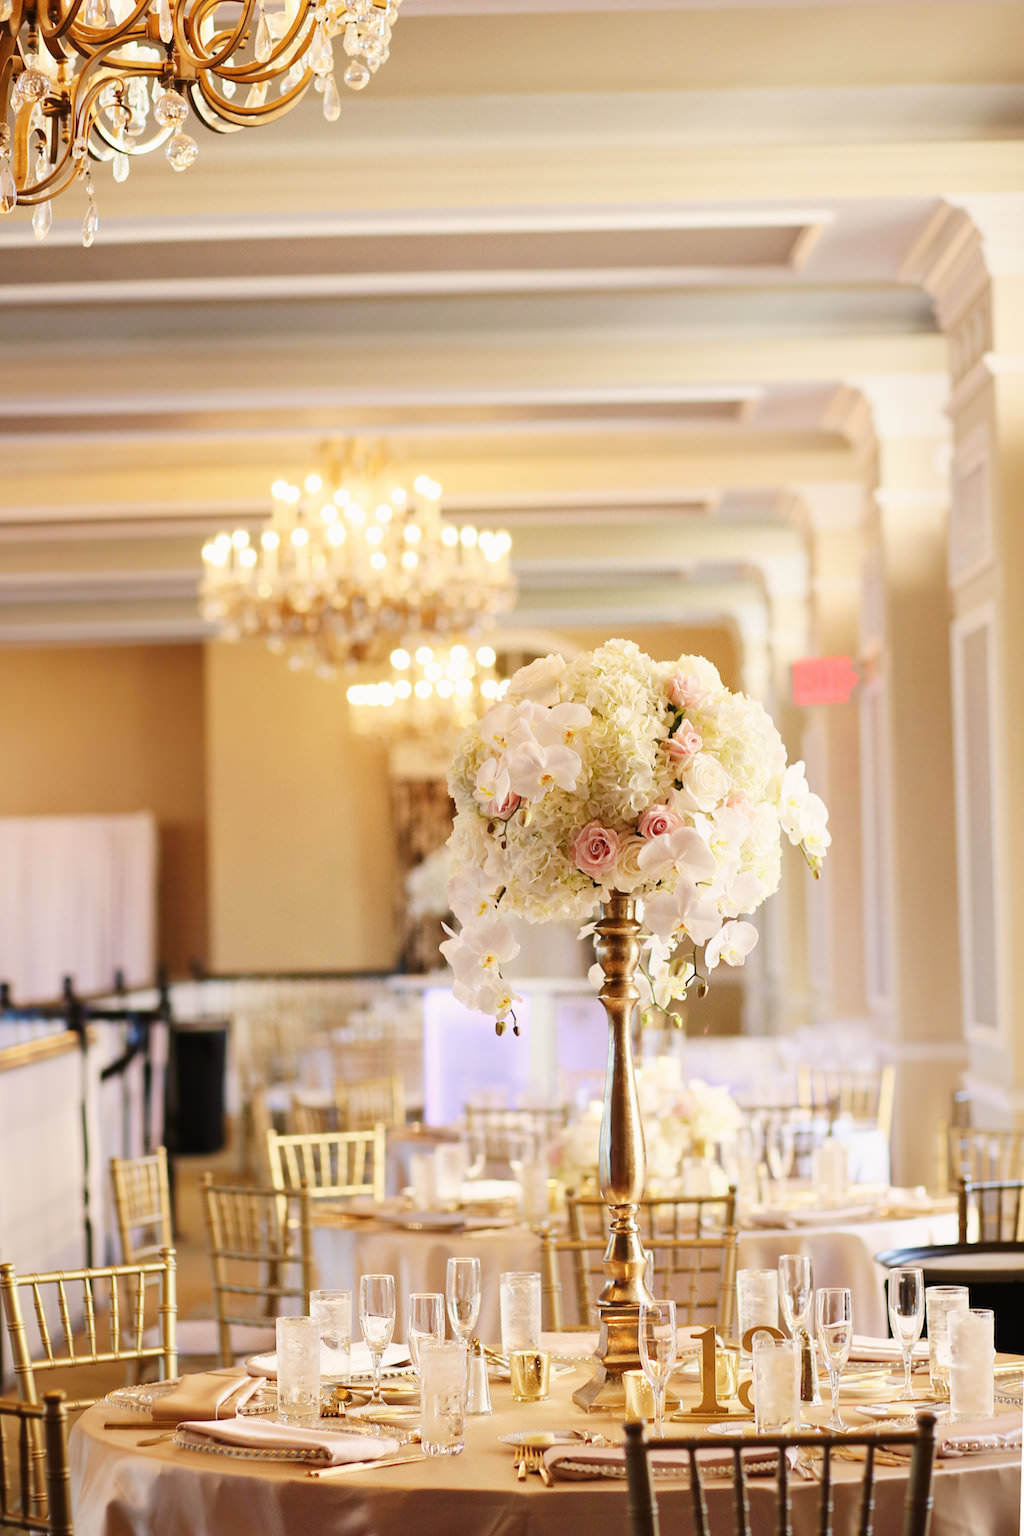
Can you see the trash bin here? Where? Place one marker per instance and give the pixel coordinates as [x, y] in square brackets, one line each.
[196, 1070]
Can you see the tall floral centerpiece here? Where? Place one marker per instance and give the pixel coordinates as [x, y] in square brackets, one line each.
[654, 792]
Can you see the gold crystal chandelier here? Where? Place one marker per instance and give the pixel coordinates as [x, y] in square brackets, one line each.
[430, 690]
[108, 80]
[352, 565]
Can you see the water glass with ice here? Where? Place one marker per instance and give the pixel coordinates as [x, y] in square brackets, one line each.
[940, 1303]
[443, 1374]
[298, 1370]
[757, 1301]
[519, 1307]
[333, 1313]
[972, 1359]
[776, 1384]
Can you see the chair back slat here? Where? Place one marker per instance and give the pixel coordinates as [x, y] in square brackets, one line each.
[990, 1211]
[698, 1273]
[643, 1510]
[71, 1352]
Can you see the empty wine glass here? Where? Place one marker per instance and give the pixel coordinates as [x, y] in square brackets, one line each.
[425, 1321]
[462, 1289]
[906, 1316]
[778, 1148]
[834, 1317]
[377, 1321]
[657, 1334]
[796, 1291]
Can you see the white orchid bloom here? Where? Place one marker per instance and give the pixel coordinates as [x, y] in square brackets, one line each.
[732, 943]
[699, 913]
[558, 726]
[470, 895]
[683, 849]
[492, 785]
[741, 893]
[533, 769]
[793, 800]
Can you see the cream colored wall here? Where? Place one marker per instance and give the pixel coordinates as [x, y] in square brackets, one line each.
[300, 854]
[111, 729]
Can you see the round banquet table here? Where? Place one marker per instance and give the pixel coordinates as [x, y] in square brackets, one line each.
[843, 1253]
[120, 1487]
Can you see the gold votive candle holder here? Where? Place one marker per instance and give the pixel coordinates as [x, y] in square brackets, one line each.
[530, 1374]
[639, 1398]
[727, 1373]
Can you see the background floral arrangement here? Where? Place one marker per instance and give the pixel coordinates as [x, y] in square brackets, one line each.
[426, 884]
[614, 772]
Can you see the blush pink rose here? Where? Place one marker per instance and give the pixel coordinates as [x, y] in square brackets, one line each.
[595, 849]
[685, 691]
[503, 809]
[686, 741]
[658, 819]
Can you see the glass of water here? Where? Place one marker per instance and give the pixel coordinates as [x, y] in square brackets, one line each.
[333, 1312]
[444, 1375]
[519, 1305]
[425, 1321]
[776, 1384]
[940, 1303]
[298, 1370]
[757, 1302]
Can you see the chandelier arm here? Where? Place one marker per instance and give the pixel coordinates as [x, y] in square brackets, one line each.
[193, 20]
[243, 117]
[66, 169]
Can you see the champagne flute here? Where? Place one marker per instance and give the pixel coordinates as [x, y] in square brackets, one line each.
[657, 1335]
[796, 1291]
[425, 1321]
[778, 1149]
[906, 1317]
[462, 1289]
[377, 1321]
[834, 1316]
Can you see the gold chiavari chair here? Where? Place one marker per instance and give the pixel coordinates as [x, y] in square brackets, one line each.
[497, 1134]
[335, 1165]
[861, 1095]
[261, 1253]
[115, 1300]
[371, 1101]
[142, 1205]
[731, 1506]
[979, 1155]
[990, 1211]
[680, 1216]
[698, 1273]
[35, 1487]
[314, 1119]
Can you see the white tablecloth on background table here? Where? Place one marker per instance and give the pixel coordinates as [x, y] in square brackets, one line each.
[842, 1254]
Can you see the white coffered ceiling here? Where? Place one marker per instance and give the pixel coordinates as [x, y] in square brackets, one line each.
[611, 274]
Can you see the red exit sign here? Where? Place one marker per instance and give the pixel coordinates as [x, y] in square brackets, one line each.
[824, 680]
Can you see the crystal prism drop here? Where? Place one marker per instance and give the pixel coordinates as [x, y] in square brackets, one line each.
[257, 94]
[171, 110]
[357, 75]
[228, 87]
[8, 190]
[6, 7]
[352, 43]
[30, 86]
[166, 24]
[264, 44]
[122, 165]
[332, 101]
[90, 224]
[321, 56]
[42, 218]
[181, 151]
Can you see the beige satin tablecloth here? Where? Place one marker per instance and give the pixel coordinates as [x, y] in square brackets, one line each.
[120, 1489]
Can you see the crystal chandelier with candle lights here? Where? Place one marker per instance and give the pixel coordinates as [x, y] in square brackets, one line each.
[430, 690]
[353, 565]
[108, 80]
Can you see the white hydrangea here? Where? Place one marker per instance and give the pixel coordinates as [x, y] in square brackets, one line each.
[575, 784]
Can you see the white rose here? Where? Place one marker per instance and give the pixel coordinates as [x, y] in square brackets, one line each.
[628, 874]
[539, 682]
[705, 784]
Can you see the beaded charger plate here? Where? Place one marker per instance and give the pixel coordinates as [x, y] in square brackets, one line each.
[188, 1441]
[139, 1397]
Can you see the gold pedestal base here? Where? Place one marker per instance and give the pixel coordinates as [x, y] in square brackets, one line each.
[616, 1352]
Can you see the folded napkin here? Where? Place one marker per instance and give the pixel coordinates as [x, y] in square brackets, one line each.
[975, 1437]
[806, 1216]
[577, 1463]
[867, 1350]
[327, 1447]
[204, 1395]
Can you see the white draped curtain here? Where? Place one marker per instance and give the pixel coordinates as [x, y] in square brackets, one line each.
[78, 899]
